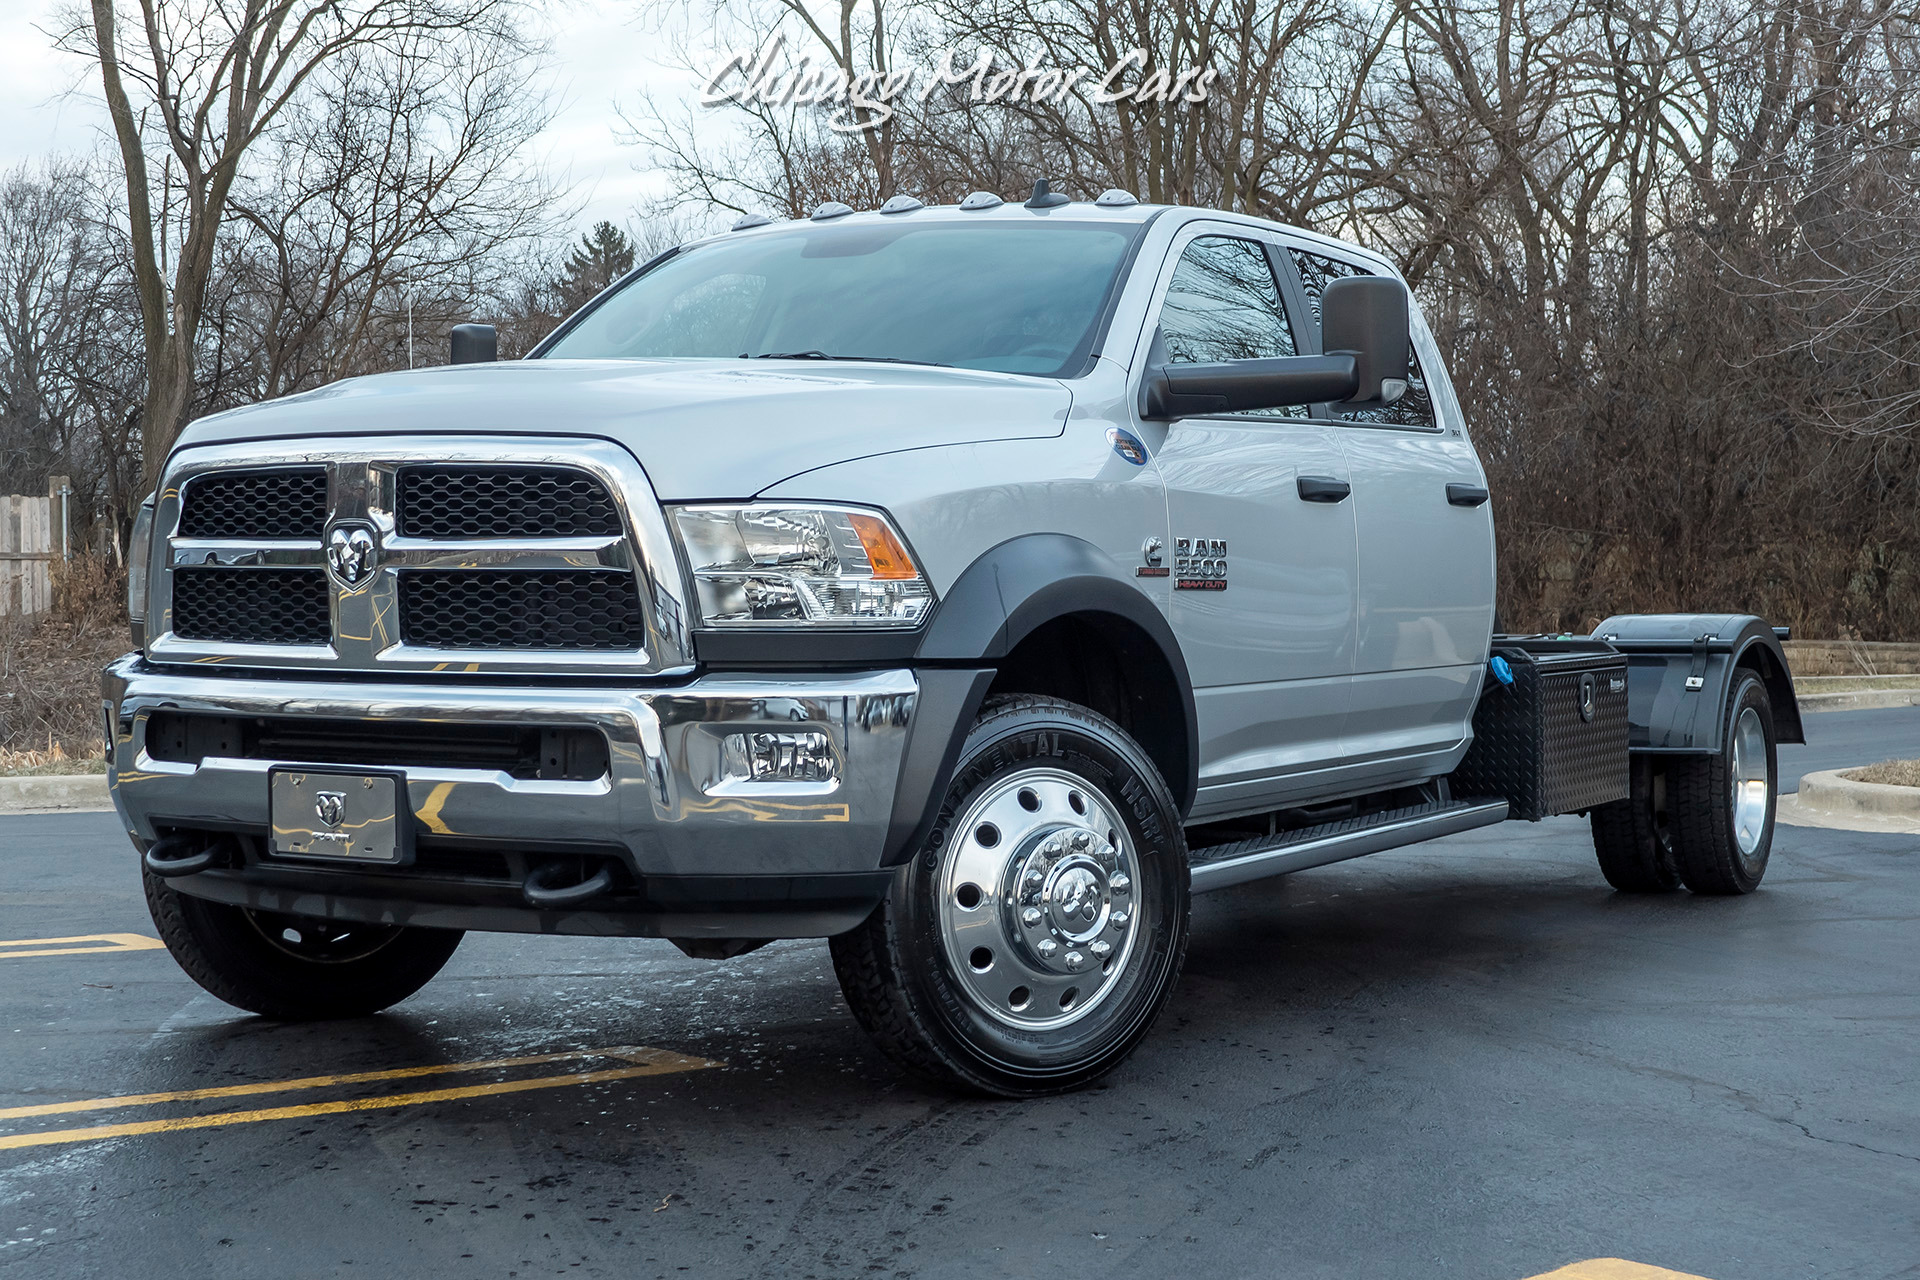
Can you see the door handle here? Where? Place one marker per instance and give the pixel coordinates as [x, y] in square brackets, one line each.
[1322, 489]
[1466, 495]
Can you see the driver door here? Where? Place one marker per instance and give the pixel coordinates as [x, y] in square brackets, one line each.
[1263, 550]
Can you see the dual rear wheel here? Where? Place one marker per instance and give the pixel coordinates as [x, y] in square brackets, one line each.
[1702, 821]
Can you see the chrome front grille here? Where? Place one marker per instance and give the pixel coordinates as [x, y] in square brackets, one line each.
[591, 609]
[251, 606]
[499, 554]
[286, 503]
[503, 502]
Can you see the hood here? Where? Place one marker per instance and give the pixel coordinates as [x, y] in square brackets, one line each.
[703, 429]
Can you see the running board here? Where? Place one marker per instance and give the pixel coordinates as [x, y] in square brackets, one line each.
[1222, 865]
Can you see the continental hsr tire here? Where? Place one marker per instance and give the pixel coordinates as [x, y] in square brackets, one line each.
[1033, 939]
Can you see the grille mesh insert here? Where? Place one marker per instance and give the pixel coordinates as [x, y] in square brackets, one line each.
[520, 609]
[251, 606]
[256, 504]
[504, 502]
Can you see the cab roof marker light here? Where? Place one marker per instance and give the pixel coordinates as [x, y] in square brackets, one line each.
[751, 220]
[1115, 198]
[830, 210]
[981, 200]
[901, 204]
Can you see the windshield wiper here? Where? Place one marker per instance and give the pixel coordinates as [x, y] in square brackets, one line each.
[821, 355]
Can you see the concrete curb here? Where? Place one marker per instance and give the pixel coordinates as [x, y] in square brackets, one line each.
[1859, 700]
[54, 792]
[1834, 794]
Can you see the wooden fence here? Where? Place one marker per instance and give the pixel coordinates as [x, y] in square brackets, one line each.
[26, 555]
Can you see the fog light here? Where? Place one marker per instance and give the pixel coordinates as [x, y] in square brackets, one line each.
[778, 756]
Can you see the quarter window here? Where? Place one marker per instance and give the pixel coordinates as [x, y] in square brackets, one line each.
[1415, 408]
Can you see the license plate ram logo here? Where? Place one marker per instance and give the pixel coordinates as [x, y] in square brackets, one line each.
[329, 806]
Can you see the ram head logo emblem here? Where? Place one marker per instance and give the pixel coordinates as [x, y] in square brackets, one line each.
[352, 553]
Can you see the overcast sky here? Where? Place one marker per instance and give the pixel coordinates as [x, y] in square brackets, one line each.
[48, 104]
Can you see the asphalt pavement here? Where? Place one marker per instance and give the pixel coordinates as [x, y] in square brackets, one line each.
[1468, 1058]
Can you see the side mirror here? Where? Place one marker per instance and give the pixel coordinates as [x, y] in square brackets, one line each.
[475, 344]
[1365, 317]
[1363, 327]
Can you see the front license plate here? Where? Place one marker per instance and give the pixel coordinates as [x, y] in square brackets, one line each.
[343, 817]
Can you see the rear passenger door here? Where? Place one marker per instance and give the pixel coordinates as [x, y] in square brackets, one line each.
[1426, 575]
[1263, 581]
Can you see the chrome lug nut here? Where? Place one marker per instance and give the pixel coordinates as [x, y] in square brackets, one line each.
[1075, 960]
[1082, 841]
[1120, 884]
[1101, 950]
[1119, 920]
[1047, 947]
[1030, 917]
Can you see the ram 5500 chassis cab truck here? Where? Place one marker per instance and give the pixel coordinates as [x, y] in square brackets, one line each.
[967, 586]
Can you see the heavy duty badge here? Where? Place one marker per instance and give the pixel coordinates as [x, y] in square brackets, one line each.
[1199, 564]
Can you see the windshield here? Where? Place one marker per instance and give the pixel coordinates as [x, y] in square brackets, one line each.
[1015, 297]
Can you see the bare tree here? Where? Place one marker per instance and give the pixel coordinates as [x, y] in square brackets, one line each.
[196, 88]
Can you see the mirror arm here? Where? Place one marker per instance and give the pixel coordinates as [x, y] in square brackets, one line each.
[1236, 386]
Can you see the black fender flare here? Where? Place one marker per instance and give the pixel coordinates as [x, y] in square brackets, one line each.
[1008, 592]
[1680, 673]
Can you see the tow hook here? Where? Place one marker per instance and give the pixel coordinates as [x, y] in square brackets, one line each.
[539, 891]
[172, 856]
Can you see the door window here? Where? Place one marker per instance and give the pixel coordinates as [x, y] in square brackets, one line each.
[1415, 408]
[1223, 304]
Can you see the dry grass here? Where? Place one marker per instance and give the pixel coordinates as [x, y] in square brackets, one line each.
[18, 764]
[50, 672]
[1892, 773]
[1853, 684]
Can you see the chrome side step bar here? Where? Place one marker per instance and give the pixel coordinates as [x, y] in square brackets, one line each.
[1223, 865]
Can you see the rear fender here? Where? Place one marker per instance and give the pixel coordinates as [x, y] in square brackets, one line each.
[1680, 674]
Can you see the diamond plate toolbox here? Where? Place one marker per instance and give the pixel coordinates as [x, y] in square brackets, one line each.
[1555, 740]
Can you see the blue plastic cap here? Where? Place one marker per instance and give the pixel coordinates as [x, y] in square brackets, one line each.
[1501, 671]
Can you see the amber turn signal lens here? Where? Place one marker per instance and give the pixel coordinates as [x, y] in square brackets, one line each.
[889, 559]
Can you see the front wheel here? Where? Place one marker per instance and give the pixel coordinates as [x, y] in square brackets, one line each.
[295, 967]
[1036, 935]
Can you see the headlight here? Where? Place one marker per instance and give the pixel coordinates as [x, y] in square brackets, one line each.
[800, 566]
[139, 551]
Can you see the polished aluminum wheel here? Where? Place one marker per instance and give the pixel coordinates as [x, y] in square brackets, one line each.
[1039, 900]
[1752, 781]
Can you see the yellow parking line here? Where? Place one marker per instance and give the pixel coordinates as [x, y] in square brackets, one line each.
[65, 947]
[626, 1053]
[1613, 1269]
[51, 1137]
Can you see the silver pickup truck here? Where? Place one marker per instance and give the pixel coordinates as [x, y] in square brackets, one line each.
[968, 586]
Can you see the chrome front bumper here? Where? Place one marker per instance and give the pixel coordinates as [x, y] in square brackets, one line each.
[664, 800]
